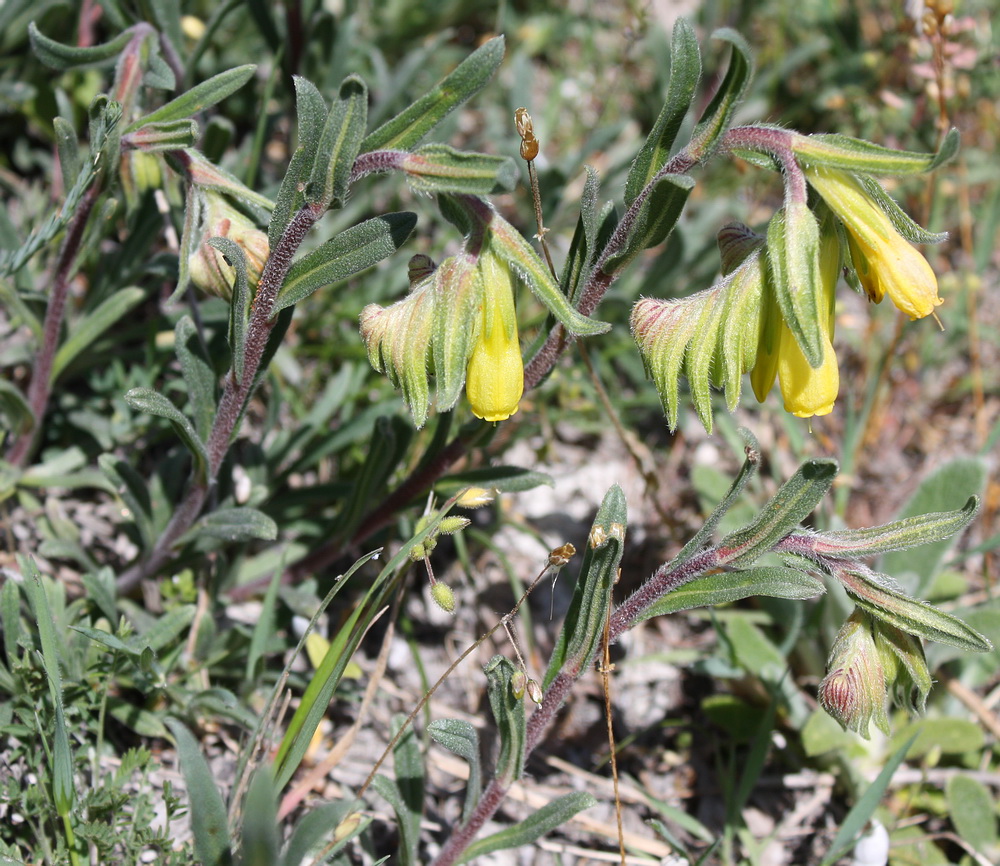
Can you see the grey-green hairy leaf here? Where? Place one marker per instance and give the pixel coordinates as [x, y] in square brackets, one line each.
[461, 737]
[908, 614]
[349, 253]
[199, 377]
[163, 135]
[506, 479]
[792, 504]
[132, 491]
[899, 535]
[583, 627]
[726, 587]
[408, 127]
[437, 168]
[239, 307]
[199, 97]
[685, 72]
[551, 815]
[149, 401]
[60, 56]
[235, 524]
[854, 154]
[95, 323]
[208, 813]
[339, 144]
[718, 115]
[651, 219]
[508, 711]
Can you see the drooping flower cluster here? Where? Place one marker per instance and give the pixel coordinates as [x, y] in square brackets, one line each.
[772, 312]
[458, 324]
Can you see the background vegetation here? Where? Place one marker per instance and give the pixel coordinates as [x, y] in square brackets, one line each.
[721, 743]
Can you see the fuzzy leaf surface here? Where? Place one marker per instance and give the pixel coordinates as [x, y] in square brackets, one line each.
[203, 95]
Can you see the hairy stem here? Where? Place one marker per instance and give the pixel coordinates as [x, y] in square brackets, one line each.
[234, 397]
[40, 388]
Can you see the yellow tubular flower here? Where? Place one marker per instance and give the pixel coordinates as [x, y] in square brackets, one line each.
[889, 264]
[495, 377]
[809, 391]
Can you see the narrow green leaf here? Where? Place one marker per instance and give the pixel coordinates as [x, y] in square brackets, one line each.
[133, 492]
[339, 144]
[149, 401]
[324, 681]
[199, 377]
[508, 711]
[793, 256]
[144, 722]
[583, 628]
[854, 154]
[112, 642]
[233, 524]
[461, 737]
[264, 629]
[349, 253]
[898, 535]
[718, 115]
[10, 620]
[319, 822]
[438, 168]
[163, 135]
[86, 331]
[60, 56]
[775, 582]
[198, 98]
[510, 246]
[901, 220]
[311, 114]
[68, 147]
[655, 218]
[239, 307]
[408, 768]
[14, 407]
[259, 839]
[685, 72]
[862, 811]
[63, 787]
[582, 249]
[408, 127]
[208, 812]
[552, 815]
[792, 504]
[909, 614]
[506, 479]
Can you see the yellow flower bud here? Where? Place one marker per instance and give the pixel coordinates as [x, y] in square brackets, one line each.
[495, 376]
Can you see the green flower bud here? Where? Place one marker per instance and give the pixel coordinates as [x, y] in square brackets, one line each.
[207, 266]
[451, 525]
[854, 689]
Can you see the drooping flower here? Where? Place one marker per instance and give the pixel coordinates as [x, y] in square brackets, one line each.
[886, 263]
[208, 267]
[495, 376]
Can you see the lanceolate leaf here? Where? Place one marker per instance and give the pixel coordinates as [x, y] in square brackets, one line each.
[85, 332]
[149, 401]
[853, 154]
[901, 220]
[461, 737]
[583, 627]
[239, 307]
[60, 56]
[349, 253]
[793, 254]
[437, 168]
[792, 504]
[133, 493]
[908, 614]
[339, 144]
[685, 71]
[550, 816]
[717, 117]
[898, 535]
[408, 127]
[198, 375]
[207, 811]
[776, 582]
[582, 247]
[234, 524]
[508, 711]
[199, 97]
